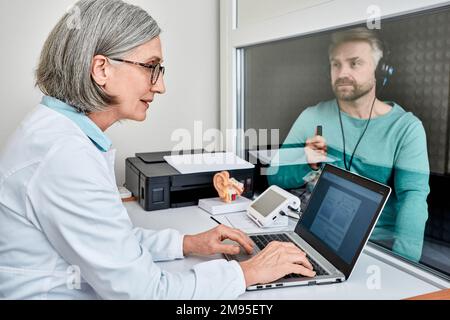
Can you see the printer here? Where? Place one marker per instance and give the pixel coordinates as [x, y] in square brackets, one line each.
[157, 185]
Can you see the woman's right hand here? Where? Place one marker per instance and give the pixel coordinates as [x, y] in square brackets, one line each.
[277, 260]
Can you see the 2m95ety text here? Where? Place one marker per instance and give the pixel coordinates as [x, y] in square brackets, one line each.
[225, 309]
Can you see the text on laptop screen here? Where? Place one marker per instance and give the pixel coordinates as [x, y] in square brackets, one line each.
[340, 213]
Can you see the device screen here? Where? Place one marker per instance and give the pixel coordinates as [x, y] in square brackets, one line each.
[340, 214]
[268, 202]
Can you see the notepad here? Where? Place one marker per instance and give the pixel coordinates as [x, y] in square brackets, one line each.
[285, 157]
[241, 221]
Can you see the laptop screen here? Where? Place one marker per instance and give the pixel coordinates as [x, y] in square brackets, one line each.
[340, 213]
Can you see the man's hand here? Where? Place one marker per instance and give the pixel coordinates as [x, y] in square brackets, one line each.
[210, 242]
[274, 262]
[316, 151]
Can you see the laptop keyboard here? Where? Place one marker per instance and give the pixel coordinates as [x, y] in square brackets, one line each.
[263, 240]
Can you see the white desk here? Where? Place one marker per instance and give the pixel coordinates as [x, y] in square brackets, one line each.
[394, 283]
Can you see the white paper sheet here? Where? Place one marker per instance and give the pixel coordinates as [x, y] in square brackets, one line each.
[207, 162]
[241, 221]
[284, 157]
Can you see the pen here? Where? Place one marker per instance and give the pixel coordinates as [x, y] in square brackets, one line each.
[290, 214]
[319, 131]
[215, 220]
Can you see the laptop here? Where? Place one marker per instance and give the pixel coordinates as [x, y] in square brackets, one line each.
[333, 230]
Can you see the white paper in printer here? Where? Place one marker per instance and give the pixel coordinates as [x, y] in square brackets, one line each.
[207, 162]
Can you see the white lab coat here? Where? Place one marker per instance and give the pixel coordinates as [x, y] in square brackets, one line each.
[61, 220]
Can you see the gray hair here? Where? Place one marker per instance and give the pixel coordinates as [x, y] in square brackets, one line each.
[358, 34]
[106, 27]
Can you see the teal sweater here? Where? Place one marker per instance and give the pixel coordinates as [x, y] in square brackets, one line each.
[393, 152]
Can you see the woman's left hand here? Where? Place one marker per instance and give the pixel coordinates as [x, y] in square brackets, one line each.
[210, 242]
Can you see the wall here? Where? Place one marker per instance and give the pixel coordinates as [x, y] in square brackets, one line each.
[190, 40]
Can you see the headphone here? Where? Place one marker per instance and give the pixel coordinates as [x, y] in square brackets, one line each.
[384, 70]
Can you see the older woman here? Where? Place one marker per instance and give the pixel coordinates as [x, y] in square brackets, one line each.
[61, 217]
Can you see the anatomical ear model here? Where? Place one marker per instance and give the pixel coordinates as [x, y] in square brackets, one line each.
[227, 188]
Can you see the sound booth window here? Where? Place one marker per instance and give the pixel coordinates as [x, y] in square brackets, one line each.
[288, 86]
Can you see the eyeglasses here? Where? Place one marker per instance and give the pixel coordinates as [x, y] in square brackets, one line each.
[157, 69]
